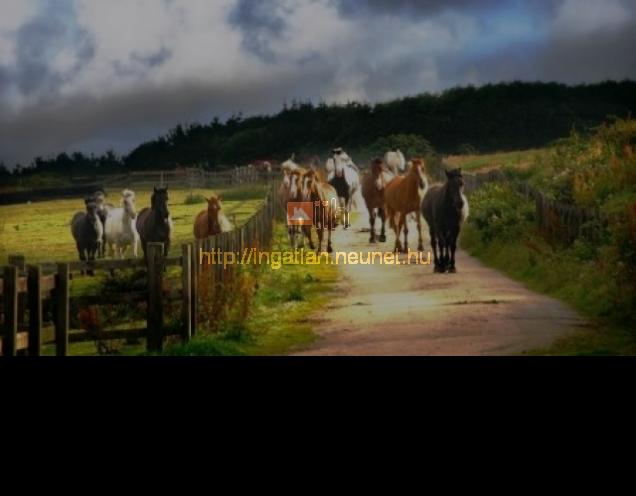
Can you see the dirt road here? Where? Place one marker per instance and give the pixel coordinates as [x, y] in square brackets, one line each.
[408, 310]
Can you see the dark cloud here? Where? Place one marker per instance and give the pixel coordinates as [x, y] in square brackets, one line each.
[425, 8]
[571, 58]
[125, 120]
[260, 23]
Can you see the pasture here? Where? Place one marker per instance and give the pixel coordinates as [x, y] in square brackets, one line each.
[519, 159]
[41, 231]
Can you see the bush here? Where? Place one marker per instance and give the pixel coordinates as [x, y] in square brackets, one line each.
[498, 212]
[194, 200]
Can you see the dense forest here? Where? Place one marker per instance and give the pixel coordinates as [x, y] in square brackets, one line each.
[495, 117]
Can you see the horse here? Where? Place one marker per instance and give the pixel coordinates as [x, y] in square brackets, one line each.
[212, 221]
[120, 231]
[404, 195]
[395, 161]
[344, 176]
[88, 231]
[445, 209]
[154, 224]
[294, 194]
[373, 185]
[102, 211]
[324, 198]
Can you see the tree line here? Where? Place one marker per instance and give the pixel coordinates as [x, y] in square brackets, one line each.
[494, 117]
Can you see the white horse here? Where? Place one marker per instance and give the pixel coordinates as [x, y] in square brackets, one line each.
[121, 231]
[395, 161]
[344, 176]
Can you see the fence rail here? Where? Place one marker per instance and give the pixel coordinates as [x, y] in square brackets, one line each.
[557, 219]
[25, 289]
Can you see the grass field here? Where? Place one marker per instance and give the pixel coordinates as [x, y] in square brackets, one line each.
[480, 163]
[41, 231]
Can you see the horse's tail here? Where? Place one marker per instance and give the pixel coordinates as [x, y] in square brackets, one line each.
[465, 209]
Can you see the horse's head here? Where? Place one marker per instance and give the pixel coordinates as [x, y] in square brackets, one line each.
[308, 184]
[214, 205]
[128, 202]
[91, 206]
[340, 159]
[290, 164]
[455, 185]
[417, 170]
[377, 172]
[100, 199]
[295, 185]
[287, 178]
[159, 203]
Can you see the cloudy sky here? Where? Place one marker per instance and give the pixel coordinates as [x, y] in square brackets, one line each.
[95, 74]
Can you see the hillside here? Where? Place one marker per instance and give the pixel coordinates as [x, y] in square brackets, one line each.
[467, 120]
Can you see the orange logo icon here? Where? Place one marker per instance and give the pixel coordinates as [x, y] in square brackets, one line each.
[300, 214]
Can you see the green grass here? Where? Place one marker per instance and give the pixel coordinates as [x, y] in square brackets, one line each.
[516, 159]
[561, 274]
[281, 313]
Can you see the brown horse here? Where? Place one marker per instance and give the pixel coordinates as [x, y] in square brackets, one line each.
[325, 200]
[404, 195]
[290, 191]
[212, 221]
[373, 185]
[445, 209]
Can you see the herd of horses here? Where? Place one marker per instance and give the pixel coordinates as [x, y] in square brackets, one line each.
[392, 189]
[104, 225]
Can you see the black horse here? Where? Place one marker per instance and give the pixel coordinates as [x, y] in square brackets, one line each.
[154, 224]
[445, 209]
[88, 232]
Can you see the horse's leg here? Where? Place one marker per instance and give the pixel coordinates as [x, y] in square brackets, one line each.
[420, 240]
[329, 229]
[453, 247]
[397, 229]
[82, 255]
[383, 220]
[372, 216]
[91, 258]
[436, 260]
[444, 249]
[404, 221]
[305, 234]
[320, 232]
[343, 209]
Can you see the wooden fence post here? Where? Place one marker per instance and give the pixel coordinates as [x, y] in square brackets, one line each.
[186, 283]
[10, 297]
[19, 261]
[34, 288]
[61, 309]
[155, 300]
[194, 288]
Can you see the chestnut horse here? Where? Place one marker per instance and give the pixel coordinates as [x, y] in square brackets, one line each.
[212, 221]
[290, 191]
[325, 200]
[373, 185]
[404, 195]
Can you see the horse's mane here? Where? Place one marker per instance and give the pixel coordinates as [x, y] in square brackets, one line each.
[225, 223]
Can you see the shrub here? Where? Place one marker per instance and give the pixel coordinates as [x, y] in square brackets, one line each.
[499, 213]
